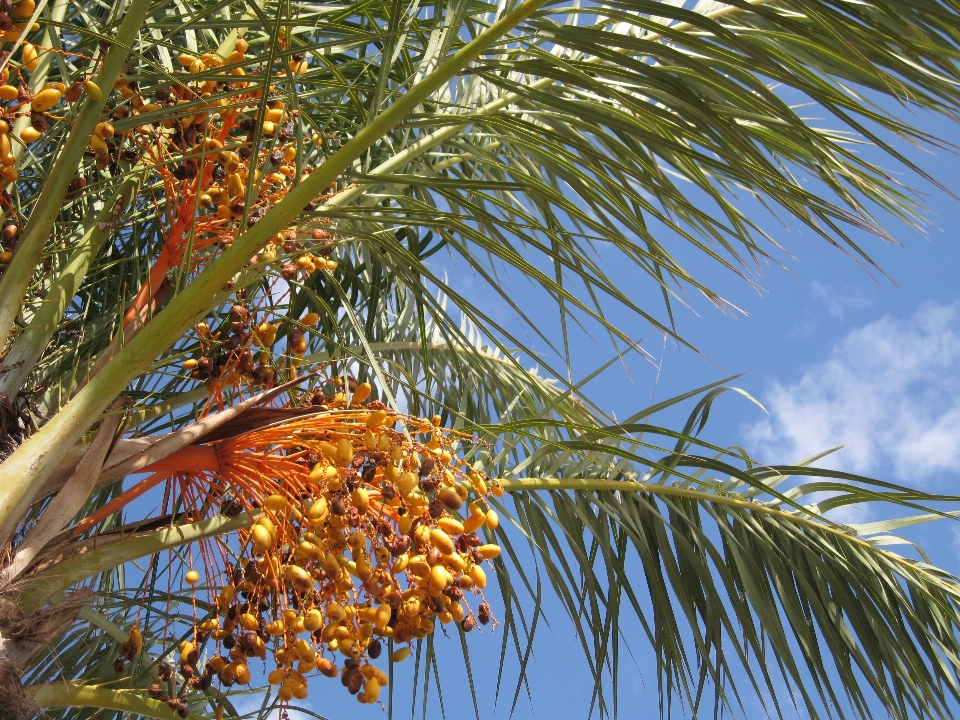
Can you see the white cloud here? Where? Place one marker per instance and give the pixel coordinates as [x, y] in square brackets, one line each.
[838, 303]
[889, 390]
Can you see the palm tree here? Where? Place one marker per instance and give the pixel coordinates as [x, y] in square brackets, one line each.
[223, 281]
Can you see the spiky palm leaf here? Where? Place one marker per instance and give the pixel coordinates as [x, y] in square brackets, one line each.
[526, 142]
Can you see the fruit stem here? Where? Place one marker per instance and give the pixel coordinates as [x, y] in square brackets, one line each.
[64, 694]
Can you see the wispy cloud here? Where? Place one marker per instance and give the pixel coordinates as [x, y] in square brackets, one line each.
[838, 303]
[889, 390]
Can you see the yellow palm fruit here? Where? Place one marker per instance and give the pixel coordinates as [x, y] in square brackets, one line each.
[8, 92]
[276, 503]
[28, 56]
[441, 541]
[275, 115]
[407, 483]
[318, 511]
[335, 612]
[365, 632]
[313, 620]
[328, 449]
[186, 648]
[261, 538]
[382, 616]
[450, 526]
[242, 675]
[305, 651]
[136, 639]
[248, 621]
[488, 552]
[306, 551]
[360, 498]
[344, 452]
[9, 174]
[422, 534]
[241, 45]
[192, 577]
[372, 690]
[376, 418]
[235, 57]
[361, 393]
[479, 484]
[474, 522]
[438, 579]
[450, 498]
[266, 522]
[311, 319]
[455, 561]
[104, 130]
[269, 127]
[276, 677]
[29, 134]
[297, 575]
[22, 10]
[275, 627]
[98, 144]
[45, 99]
[400, 655]
[493, 520]
[289, 153]
[478, 576]
[93, 90]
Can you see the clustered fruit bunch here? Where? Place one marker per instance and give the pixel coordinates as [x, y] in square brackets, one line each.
[14, 26]
[242, 351]
[369, 534]
[225, 154]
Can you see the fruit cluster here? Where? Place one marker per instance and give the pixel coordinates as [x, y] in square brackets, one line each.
[369, 534]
